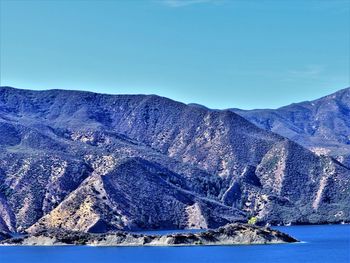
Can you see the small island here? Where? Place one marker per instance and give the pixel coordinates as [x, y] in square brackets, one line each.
[231, 234]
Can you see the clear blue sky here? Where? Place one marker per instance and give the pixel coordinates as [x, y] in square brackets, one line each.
[220, 53]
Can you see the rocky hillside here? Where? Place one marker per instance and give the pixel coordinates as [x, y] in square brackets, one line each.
[91, 162]
[322, 125]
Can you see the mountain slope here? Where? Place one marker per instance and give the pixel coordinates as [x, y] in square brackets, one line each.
[322, 125]
[93, 162]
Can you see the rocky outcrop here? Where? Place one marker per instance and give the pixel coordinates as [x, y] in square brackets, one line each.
[232, 234]
[94, 163]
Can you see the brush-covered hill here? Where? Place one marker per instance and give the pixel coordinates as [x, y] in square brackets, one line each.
[91, 162]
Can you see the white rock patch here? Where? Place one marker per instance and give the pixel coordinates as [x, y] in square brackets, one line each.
[195, 217]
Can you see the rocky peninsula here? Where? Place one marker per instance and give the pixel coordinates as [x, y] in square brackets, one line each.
[231, 234]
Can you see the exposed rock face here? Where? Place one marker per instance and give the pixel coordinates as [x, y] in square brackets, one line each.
[322, 125]
[90, 162]
[232, 234]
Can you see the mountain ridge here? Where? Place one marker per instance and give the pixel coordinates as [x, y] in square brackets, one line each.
[321, 125]
[202, 168]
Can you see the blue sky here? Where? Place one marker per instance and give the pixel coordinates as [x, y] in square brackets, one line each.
[220, 53]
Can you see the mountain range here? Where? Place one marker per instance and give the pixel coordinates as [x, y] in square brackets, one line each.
[91, 162]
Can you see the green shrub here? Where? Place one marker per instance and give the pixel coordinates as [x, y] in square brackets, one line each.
[252, 220]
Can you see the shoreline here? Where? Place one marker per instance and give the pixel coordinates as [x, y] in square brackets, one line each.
[231, 234]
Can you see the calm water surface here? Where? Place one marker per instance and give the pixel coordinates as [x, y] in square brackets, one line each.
[320, 244]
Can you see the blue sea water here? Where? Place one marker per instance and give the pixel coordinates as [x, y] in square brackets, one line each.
[327, 243]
